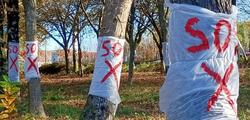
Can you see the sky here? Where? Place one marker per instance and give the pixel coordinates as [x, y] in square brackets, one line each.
[89, 41]
[89, 38]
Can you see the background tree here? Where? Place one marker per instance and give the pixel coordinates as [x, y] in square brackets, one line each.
[94, 14]
[35, 97]
[157, 15]
[3, 56]
[59, 23]
[114, 22]
[13, 28]
[136, 27]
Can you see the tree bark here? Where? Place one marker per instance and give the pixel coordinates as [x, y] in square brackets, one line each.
[13, 20]
[35, 96]
[132, 44]
[131, 63]
[79, 52]
[113, 24]
[74, 53]
[66, 58]
[3, 60]
[163, 28]
[13, 30]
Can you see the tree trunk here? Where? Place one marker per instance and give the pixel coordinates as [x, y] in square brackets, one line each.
[2, 42]
[113, 24]
[74, 53]
[35, 95]
[163, 28]
[79, 56]
[132, 43]
[66, 57]
[131, 63]
[13, 22]
[219, 6]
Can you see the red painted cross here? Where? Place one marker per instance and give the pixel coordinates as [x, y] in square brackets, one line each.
[222, 85]
[13, 63]
[32, 65]
[112, 70]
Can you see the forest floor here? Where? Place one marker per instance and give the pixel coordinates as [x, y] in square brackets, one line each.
[64, 97]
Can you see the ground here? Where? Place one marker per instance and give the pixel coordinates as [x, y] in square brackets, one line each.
[64, 97]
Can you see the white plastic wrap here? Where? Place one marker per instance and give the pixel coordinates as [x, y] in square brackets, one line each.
[203, 79]
[108, 66]
[31, 69]
[13, 69]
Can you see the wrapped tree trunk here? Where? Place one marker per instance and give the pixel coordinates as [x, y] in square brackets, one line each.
[31, 61]
[203, 79]
[13, 40]
[219, 6]
[101, 105]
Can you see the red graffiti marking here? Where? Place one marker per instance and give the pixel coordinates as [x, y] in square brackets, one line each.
[32, 65]
[13, 63]
[13, 49]
[236, 50]
[222, 85]
[217, 35]
[196, 33]
[32, 49]
[105, 47]
[116, 48]
[112, 70]
[205, 44]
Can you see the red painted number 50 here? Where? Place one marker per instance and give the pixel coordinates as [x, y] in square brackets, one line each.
[200, 35]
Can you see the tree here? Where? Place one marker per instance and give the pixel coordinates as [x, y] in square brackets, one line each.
[35, 97]
[136, 27]
[114, 22]
[163, 28]
[157, 15]
[13, 39]
[60, 23]
[179, 84]
[2, 42]
[94, 14]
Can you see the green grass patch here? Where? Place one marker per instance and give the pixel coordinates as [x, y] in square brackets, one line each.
[57, 111]
[139, 101]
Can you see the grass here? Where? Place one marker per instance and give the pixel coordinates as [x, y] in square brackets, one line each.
[64, 99]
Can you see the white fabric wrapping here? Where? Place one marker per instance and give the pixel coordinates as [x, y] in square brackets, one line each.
[13, 69]
[108, 65]
[31, 69]
[203, 79]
